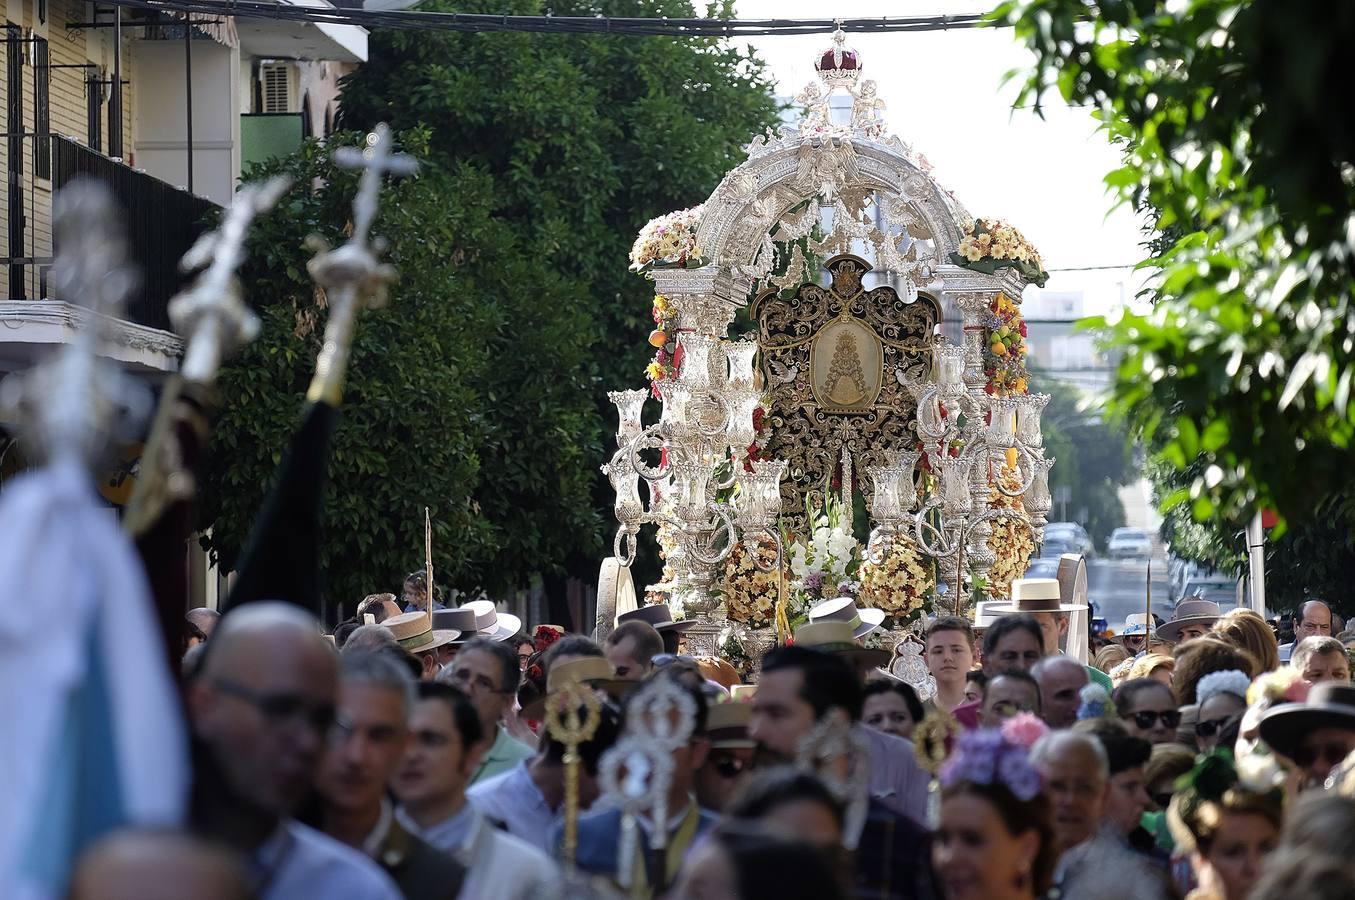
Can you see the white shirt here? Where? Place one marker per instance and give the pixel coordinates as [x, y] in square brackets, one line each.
[498, 865]
[301, 862]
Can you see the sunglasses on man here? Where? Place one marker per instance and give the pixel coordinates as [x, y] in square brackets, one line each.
[1332, 755]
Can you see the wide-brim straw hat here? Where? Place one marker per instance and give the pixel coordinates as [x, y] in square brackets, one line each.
[984, 614]
[459, 620]
[490, 623]
[657, 615]
[413, 632]
[1037, 595]
[593, 671]
[1136, 625]
[844, 609]
[837, 637]
[1329, 705]
[727, 726]
[1189, 612]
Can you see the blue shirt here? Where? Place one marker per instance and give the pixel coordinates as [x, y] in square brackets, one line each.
[514, 799]
[301, 862]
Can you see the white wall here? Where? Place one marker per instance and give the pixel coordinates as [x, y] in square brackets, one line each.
[160, 137]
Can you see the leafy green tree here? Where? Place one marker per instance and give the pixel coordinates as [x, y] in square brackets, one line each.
[465, 330]
[1241, 374]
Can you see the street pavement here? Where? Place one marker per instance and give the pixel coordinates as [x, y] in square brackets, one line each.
[1116, 587]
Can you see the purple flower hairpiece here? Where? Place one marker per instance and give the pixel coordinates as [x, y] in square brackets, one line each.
[984, 756]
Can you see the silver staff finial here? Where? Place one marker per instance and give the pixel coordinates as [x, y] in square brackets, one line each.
[72, 404]
[211, 314]
[351, 276]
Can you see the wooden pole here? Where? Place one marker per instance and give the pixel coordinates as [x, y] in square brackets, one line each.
[1148, 603]
[428, 563]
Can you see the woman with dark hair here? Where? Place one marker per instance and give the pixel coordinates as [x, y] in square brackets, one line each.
[1228, 829]
[739, 862]
[1197, 658]
[1147, 707]
[994, 840]
[891, 706]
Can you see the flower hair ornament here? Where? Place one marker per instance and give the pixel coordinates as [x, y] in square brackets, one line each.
[1284, 685]
[988, 756]
[1095, 703]
[1227, 681]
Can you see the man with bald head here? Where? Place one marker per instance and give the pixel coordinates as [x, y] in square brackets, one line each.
[158, 865]
[1313, 619]
[1061, 680]
[261, 710]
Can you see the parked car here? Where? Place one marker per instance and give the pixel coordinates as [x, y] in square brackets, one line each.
[1129, 543]
[1053, 549]
[1073, 534]
[1222, 590]
[1044, 567]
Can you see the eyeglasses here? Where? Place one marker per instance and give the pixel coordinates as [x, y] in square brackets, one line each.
[1147, 718]
[1209, 727]
[282, 710]
[1332, 755]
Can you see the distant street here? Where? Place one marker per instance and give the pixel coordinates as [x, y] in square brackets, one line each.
[1116, 587]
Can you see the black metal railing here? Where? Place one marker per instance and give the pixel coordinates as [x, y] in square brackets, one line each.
[162, 223]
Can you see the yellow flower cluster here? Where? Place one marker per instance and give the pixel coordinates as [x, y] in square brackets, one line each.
[1011, 540]
[900, 584]
[995, 239]
[750, 593]
[669, 239]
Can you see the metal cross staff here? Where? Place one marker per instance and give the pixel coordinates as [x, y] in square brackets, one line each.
[572, 718]
[351, 276]
[211, 315]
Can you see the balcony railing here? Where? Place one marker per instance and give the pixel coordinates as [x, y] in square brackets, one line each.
[162, 223]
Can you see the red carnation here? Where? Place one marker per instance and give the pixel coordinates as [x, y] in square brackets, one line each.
[1023, 329]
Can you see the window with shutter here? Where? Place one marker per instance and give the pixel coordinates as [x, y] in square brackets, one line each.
[276, 79]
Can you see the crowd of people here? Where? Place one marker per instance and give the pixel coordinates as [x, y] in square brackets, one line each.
[411, 753]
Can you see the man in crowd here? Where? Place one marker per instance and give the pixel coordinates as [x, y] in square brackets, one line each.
[1193, 618]
[1127, 795]
[487, 671]
[800, 688]
[1044, 600]
[1317, 734]
[376, 697]
[158, 865]
[949, 651]
[1012, 643]
[431, 784]
[528, 798]
[1007, 694]
[1320, 659]
[414, 632]
[199, 624]
[1313, 620]
[1061, 680]
[660, 618]
[730, 760]
[600, 831]
[1092, 862]
[631, 649]
[261, 709]
[896, 780]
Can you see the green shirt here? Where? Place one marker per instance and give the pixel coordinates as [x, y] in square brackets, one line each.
[506, 753]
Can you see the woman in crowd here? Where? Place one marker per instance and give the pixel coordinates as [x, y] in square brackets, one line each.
[1148, 709]
[1222, 698]
[739, 862]
[1197, 658]
[1110, 656]
[891, 706]
[994, 840]
[1245, 629]
[1228, 830]
[1157, 666]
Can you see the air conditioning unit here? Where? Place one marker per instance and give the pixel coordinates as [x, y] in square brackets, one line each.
[278, 87]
